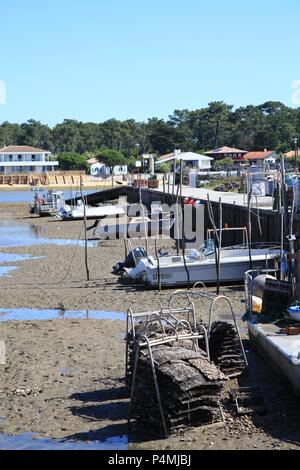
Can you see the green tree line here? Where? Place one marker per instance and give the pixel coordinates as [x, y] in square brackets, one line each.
[271, 125]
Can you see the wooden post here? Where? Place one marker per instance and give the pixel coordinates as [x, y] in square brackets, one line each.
[177, 219]
[180, 179]
[284, 196]
[219, 246]
[174, 177]
[295, 281]
[249, 194]
[158, 266]
[295, 257]
[184, 262]
[216, 241]
[85, 236]
[143, 214]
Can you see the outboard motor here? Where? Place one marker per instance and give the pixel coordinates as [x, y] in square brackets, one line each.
[129, 262]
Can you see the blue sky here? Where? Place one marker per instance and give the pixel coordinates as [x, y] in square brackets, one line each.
[95, 59]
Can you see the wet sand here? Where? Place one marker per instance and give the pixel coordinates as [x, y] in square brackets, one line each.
[64, 377]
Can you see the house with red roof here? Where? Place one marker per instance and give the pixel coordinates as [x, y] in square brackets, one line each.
[266, 156]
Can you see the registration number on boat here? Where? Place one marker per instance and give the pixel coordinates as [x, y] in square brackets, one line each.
[162, 276]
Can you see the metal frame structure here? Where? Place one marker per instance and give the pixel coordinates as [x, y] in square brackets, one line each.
[215, 299]
[244, 231]
[166, 316]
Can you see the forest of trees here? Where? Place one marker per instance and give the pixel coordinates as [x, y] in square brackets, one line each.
[271, 125]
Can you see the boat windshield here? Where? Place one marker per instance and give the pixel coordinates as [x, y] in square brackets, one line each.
[208, 246]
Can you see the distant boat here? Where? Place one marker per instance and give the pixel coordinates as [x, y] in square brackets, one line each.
[47, 202]
[77, 213]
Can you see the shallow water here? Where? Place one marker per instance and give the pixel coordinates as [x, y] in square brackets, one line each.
[27, 441]
[12, 235]
[5, 270]
[27, 196]
[13, 257]
[28, 314]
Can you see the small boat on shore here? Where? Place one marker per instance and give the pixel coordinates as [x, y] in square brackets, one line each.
[175, 271]
[47, 203]
[200, 265]
[77, 213]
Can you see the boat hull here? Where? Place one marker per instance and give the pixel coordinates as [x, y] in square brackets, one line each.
[232, 270]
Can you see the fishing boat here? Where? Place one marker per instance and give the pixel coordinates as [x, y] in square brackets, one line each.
[200, 265]
[47, 203]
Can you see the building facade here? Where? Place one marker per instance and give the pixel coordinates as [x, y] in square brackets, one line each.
[189, 159]
[99, 169]
[227, 152]
[25, 159]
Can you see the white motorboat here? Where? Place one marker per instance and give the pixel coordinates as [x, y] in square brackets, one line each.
[201, 266]
[100, 212]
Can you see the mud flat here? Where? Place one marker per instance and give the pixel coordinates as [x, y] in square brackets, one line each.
[63, 378]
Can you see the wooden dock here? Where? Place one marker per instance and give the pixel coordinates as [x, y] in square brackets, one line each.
[265, 222]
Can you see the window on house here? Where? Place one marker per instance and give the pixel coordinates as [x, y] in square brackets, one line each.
[33, 158]
[20, 158]
[10, 158]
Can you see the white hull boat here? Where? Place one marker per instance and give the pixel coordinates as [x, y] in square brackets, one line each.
[77, 213]
[201, 267]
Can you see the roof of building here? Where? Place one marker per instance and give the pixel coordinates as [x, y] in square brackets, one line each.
[92, 161]
[225, 150]
[259, 155]
[291, 154]
[22, 149]
[184, 156]
[165, 157]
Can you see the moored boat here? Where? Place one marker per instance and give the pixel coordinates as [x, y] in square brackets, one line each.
[47, 202]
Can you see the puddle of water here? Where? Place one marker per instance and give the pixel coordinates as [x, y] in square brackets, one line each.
[10, 243]
[5, 270]
[27, 441]
[12, 257]
[12, 235]
[28, 314]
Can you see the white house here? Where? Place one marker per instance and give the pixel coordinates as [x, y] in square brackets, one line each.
[267, 156]
[190, 159]
[24, 159]
[99, 169]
